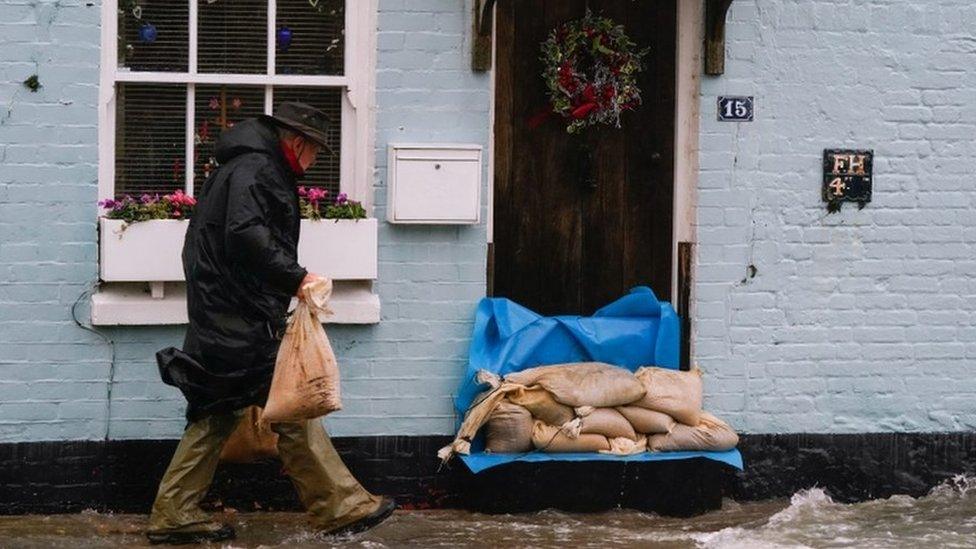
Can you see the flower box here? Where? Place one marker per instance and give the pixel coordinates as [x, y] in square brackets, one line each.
[341, 249]
[149, 251]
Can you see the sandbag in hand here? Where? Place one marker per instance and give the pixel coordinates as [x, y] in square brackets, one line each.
[305, 384]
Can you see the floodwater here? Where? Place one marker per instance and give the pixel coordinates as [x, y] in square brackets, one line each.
[946, 517]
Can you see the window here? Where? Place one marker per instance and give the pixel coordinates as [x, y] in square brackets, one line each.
[176, 73]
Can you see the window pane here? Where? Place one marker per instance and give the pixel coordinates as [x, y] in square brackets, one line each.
[309, 37]
[325, 172]
[153, 35]
[150, 138]
[219, 108]
[232, 36]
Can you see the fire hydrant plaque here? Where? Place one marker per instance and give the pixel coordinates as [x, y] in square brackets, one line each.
[847, 177]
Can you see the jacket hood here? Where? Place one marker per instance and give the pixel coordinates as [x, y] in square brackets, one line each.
[252, 135]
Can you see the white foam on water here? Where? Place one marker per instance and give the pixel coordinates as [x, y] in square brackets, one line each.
[955, 487]
[945, 517]
[803, 503]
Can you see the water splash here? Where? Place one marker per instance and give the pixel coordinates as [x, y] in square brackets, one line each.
[945, 517]
[955, 487]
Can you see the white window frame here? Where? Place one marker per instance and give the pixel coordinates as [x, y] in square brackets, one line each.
[356, 150]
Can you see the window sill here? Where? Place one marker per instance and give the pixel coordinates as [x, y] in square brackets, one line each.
[130, 304]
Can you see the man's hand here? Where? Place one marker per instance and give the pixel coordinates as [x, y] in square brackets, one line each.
[309, 278]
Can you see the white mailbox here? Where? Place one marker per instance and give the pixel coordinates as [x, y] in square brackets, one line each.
[434, 184]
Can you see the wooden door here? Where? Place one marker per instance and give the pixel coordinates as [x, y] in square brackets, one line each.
[562, 246]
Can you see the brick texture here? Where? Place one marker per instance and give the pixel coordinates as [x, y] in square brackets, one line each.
[52, 375]
[860, 321]
[399, 375]
[121, 476]
[402, 373]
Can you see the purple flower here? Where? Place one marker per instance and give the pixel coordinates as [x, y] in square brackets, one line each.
[108, 203]
[342, 198]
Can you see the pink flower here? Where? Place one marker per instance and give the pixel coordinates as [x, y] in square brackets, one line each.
[302, 191]
[236, 103]
[214, 103]
[315, 195]
[181, 199]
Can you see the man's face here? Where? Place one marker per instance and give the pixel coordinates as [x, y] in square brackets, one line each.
[306, 151]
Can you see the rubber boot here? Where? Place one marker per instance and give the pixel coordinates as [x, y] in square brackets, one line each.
[332, 496]
[187, 479]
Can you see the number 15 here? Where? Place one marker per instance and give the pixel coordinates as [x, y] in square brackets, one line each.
[735, 109]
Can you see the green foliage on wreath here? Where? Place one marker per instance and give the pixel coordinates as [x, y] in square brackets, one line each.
[591, 69]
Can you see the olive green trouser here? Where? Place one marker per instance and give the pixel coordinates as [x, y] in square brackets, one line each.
[332, 496]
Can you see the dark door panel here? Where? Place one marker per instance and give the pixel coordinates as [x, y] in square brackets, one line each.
[560, 245]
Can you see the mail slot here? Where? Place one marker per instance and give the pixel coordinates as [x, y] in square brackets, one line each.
[434, 184]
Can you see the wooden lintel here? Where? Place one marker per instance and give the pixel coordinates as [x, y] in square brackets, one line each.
[481, 40]
[715, 12]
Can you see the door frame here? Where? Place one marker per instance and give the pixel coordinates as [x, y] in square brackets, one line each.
[688, 70]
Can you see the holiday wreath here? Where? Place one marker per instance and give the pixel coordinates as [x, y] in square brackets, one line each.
[591, 68]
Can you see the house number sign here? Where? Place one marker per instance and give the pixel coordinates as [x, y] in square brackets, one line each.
[847, 177]
[735, 109]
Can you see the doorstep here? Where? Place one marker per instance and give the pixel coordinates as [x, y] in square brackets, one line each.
[132, 304]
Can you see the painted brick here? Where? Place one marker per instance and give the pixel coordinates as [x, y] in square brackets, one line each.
[854, 322]
[875, 305]
[53, 375]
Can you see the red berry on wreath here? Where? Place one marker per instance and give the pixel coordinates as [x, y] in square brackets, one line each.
[583, 110]
[591, 69]
[589, 93]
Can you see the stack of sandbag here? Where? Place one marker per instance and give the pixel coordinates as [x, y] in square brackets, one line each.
[592, 407]
[711, 433]
[509, 429]
[547, 404]
[678, 395]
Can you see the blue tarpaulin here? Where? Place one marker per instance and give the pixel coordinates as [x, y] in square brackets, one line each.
[636, 330]
[478, 462]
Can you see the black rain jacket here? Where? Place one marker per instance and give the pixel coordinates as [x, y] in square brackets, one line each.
[240, 262]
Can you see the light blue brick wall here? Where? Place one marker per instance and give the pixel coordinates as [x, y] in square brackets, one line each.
[859, 321]
[862, 320]
[51, 374]
[398, 375]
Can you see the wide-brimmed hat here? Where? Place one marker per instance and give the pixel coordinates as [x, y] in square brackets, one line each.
[305, 120]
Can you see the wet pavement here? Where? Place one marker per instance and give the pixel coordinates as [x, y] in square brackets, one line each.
[405, 529]
[944, 518]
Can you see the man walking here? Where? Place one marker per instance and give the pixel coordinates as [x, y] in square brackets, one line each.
[240, 263]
